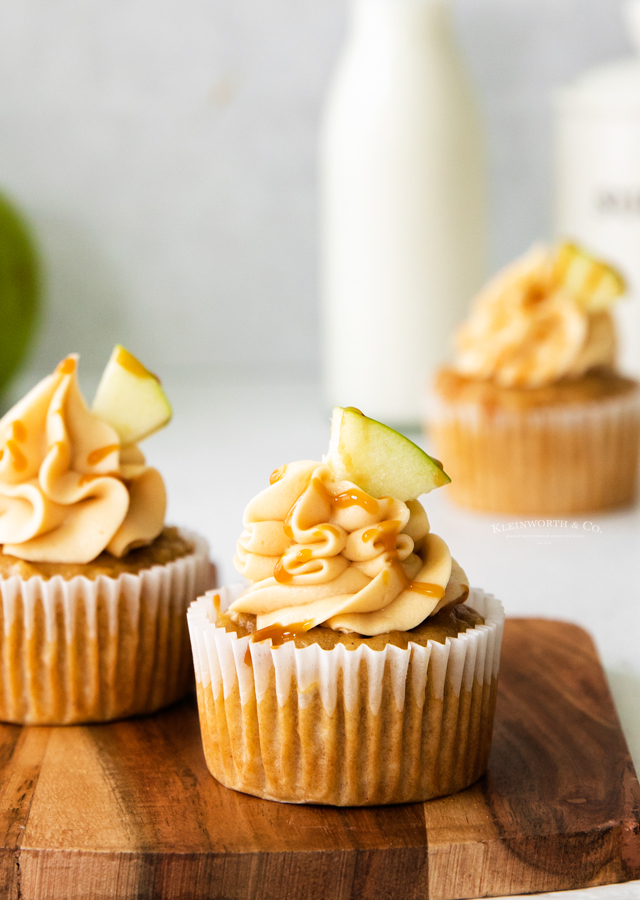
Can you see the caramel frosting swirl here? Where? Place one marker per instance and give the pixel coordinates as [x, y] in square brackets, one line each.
[324, 552]
[527, 329]
[68, 490]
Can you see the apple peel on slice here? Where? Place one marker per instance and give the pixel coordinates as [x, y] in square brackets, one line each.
[130, 398]
[595, 284]
[378, 459]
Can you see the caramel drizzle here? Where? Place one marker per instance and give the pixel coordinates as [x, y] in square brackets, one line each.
[96, 456]
[325, 528]
[356, 497]
[281, 575]
[277, 474]
[343, 500]
[288, 530]
[386, 532]
[92, 476]
[19, 430]
[385, 535]
[19, 434]
[67, 366]
[20, 462]
[278, 634]
[427, 589]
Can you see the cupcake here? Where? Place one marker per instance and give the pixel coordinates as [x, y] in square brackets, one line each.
[356, 667]
[533, 417]
[93, 586]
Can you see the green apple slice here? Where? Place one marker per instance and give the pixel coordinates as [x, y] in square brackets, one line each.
[378, 459]
[595, 284]
[130, 398]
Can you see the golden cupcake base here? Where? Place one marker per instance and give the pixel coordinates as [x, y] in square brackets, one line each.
[346, 727]
[551, 459]
[97, 649]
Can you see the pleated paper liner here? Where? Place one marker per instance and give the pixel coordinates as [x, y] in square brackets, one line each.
[92, 650]
[345, 727]
[548, 460]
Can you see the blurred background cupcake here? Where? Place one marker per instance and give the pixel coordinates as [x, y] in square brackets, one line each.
[533, 417]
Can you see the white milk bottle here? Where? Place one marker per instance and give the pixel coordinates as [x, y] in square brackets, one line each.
[598, 176]
[403, 207]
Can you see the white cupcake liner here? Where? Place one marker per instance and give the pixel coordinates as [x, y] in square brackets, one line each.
[569, 458]
[345, 727]
[91, 650]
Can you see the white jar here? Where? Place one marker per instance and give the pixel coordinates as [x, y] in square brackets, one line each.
[598, 176]
[403, 207]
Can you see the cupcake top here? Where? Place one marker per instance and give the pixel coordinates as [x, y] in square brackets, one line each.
[319, 549]
[544, 318]
[70, 485]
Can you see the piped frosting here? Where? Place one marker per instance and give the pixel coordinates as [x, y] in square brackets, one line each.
[68, 489]
[319, 551]
[531, 327]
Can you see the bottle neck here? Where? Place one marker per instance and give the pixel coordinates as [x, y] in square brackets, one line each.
[397, 17]
[631, 11]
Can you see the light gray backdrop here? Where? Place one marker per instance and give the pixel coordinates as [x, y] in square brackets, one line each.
[165, 151]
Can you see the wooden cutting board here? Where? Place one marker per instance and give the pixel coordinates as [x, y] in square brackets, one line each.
[129, 810]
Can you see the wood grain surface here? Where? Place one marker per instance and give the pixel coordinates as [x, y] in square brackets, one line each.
[128, 810]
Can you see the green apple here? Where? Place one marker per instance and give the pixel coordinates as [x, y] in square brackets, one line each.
[378, 459]
[130, 398]
[19, 289]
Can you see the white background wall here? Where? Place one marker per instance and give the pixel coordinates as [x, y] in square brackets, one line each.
[165, 153]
